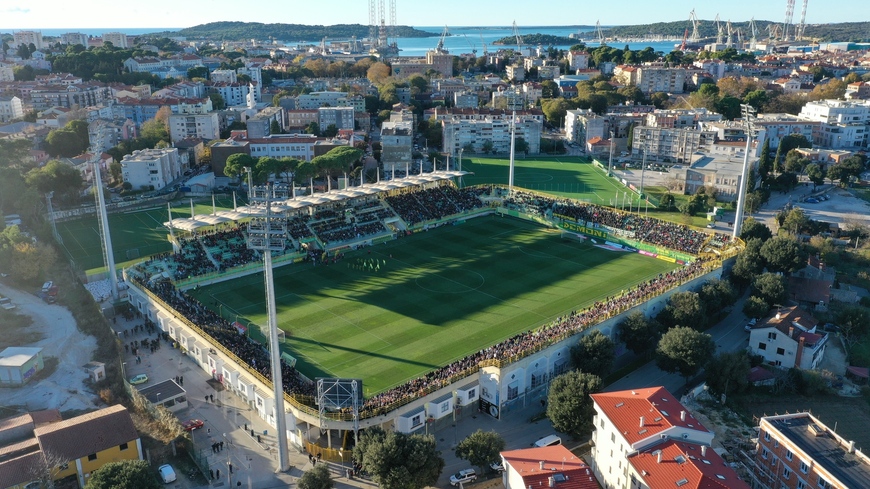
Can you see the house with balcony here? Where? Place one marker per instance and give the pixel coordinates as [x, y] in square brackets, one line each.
[789, 338]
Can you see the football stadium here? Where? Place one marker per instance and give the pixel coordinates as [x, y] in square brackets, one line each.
[438, 298]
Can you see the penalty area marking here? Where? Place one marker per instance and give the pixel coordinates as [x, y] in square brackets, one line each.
[460, 288]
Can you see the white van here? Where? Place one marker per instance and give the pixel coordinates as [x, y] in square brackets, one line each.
[548, 441]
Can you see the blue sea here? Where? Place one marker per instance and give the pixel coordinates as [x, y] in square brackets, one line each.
[461, 39]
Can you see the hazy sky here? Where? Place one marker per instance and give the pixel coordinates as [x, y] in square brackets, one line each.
[25, 14]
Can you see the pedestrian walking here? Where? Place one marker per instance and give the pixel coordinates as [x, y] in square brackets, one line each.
[230, 465]
[222, 446]
[180, 380]
[211, 396]
[208, 430]
[206, 398]
[211, 473]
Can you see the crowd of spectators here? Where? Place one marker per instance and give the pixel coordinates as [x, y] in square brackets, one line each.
[646, 229]
[230, 248]
[415, 205]
[222, 331]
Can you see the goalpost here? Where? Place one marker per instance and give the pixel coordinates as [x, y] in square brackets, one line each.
[572, 236]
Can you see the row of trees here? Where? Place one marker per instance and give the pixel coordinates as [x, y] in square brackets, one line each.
[334, 163]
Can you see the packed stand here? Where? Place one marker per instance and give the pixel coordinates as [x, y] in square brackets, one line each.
[415, 206]
[191, 261]
[222, 331]
[228, 248]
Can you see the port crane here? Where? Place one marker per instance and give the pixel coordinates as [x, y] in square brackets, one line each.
[696, 36]
[599, 33]
[803, 25]
[519, 39]
[718, 29]
[444, 34]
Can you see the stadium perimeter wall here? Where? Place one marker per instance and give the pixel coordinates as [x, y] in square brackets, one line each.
[503, 387]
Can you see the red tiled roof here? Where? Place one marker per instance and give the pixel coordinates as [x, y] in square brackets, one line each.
[557, 460]
[683, 466]
[659, 408]
[759, 374]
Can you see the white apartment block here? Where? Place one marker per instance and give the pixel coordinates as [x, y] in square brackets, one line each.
[6, 73]
[341, 117]
[223, 76]
[118, 39]
[844, 124]
[256, 76]
[459, 133]
[299, 146]
[151, 167]
[628, 422]
[582, 125]
[515, 72]
[74, 38]
[777, 126]
[670, 145]
[578, 60]
[10, 108]
[466, 100]
[204, 126]
[260, 125]
[396, 144]
[27, 38]
[316, 100]
[234, 94]
[652, 77]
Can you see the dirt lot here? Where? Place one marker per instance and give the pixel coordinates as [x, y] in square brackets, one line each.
[63, 345]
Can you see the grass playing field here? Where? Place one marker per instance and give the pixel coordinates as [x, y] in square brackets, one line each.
[438, 296]
[572, 177]
[139, 232]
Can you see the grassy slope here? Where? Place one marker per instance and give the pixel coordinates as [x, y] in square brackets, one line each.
[440, 296]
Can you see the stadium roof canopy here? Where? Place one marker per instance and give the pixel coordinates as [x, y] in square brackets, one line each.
[198, 221]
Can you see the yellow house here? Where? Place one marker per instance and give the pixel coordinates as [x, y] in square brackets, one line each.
[66, 450]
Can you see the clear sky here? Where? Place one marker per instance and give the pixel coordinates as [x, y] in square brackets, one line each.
[50, 14]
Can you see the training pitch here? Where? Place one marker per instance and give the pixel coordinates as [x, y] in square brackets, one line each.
[135, 234]
[567, 176]
[431, 298]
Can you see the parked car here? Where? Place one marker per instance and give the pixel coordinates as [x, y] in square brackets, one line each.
[463, 477]
[811, 201]
[167, 473]
[192, 424]
[138, 379]
[833, 328]
[497, 466]
[752, 322]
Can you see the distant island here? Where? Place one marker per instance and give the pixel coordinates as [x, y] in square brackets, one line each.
[542, 39]
[239, 31]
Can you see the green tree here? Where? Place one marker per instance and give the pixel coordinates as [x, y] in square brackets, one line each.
[399, 461]
[815, 174]
[569, 406]
[728, 372]
[15, 153]
[749, 263]
[316, 478]
[555, 110]
[23, 73]
[684, 309]
[755, 307]
[782, 254]
[639, 333]
[521, 146]
[795, 220]
[481, 448]
[275, 128]
[756, 98]
[130, 474]
[854, 323]
[236, 163]
[630, 142]
[715, 295]
[217, 101]
[765, 164]
[594, 354]
[65, 143]
[846, 169]
[313, 128]
[487, 146]
[795, 162]
[793, 141]
[197, 72]
[684, 351]
[754, 229]
[60, 178]
[154, 131]
[770, 288]
[331, 131]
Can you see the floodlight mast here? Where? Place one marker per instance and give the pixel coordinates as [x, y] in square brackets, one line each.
[267, 236]
[748, 114]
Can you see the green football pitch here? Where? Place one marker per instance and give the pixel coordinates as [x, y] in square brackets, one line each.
[566, 176]
[134, 234]
[437, 296]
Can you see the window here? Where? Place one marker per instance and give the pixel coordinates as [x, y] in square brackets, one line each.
[417, 420]
[92, 457]
[801, 484]
[445, 407]
[762, 346]
[780, 351]
[472, 393]
[804, 467]
[789, 455]
[823, 484]
[764, 453]
[123, 446]
[786, 473]
[766, 436]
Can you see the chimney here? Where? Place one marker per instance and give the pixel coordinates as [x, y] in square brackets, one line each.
[852, 446]
[790, 331]
[659, 457]
[703, 450]
[541, 464]
[800, 352]
[551, 482]
[641, 421]
[683, 416]
[778, 315]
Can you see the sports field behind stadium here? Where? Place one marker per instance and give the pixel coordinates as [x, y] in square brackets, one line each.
[135, 234]
[432, 298]
[567, 176]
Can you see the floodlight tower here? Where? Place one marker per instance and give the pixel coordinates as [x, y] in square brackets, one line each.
[108, 257]
[748, 116]
[513, 153]
[267, 236]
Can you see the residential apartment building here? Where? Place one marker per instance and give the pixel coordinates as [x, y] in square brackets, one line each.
[578, 60]
[33, 444]
[7, 74]
[789, 339]
[300, 119]
[10, 108]
[844, 124]
[515, 72]
[445, 113]
[776, 126]
[70, 96]
[669, 145]
[118, 39]
[652, 77]
[466, 100]
[315, 100]
[205, 125]
[441, 61]
[581, 125]
[148, 168]
[27, 38]
[645, 438]
[722, 173]
[73, 38]
[397, 141]
[461, 133]
[234, 94]
[260, 125]
[798, 451]
[340, 117]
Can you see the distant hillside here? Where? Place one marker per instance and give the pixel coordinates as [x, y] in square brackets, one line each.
[847, 31]
[237, 31]
[535, 39]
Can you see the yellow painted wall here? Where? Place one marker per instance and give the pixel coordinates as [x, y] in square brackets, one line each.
[113, 454]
